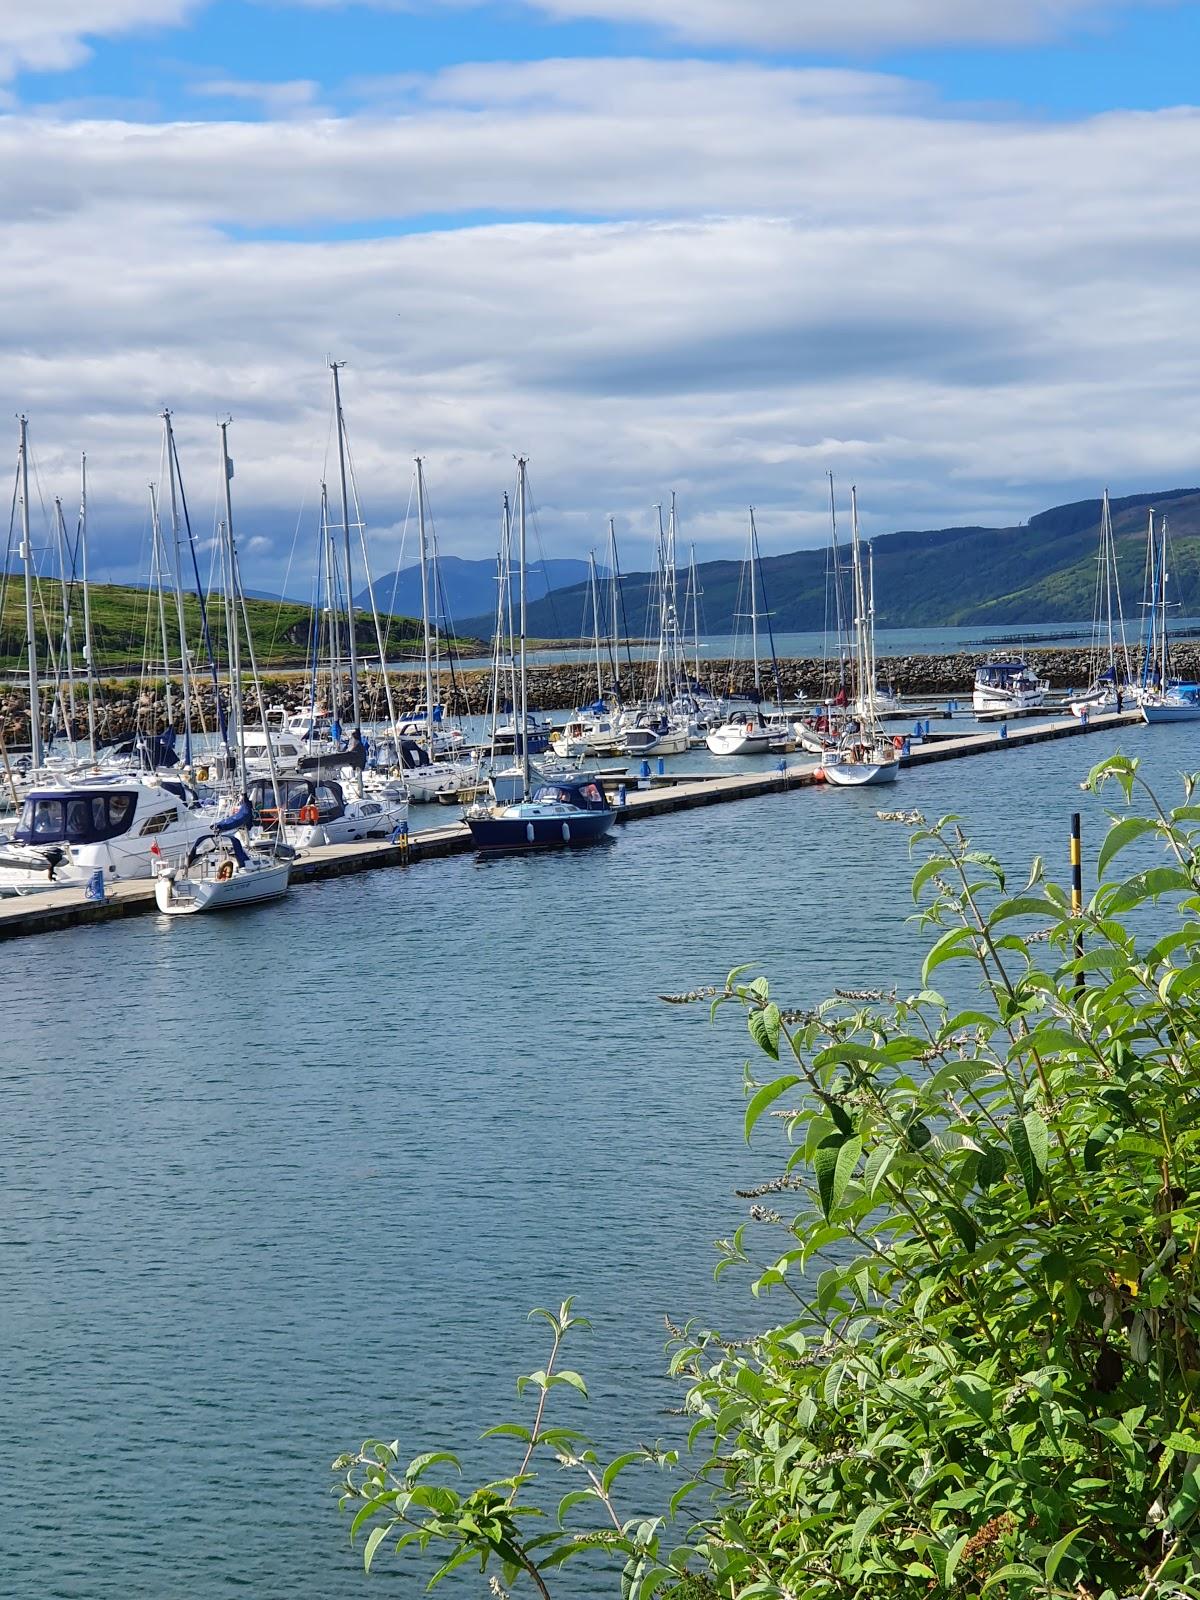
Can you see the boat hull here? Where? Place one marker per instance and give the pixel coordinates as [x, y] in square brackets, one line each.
[497, 834]
[858, 774]
[183, 896]
[737, 741]
[1183, 712]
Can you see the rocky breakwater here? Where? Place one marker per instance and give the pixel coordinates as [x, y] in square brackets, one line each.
[126, 707]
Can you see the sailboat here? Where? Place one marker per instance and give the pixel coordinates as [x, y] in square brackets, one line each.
[748, 735]
[865, 754]
[1112, 670]
[562, 811]
[1163, 698]
[74, 828]
[222, 870]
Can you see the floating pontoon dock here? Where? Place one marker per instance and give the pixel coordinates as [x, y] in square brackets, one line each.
[47, 910]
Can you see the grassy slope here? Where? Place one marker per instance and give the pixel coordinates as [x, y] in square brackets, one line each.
[125, 628]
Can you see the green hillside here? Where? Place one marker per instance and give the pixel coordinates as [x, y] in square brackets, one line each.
[125, 628]
[1043, 571]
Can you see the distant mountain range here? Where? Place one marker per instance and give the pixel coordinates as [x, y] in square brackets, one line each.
[1042, 571]
[468, 588]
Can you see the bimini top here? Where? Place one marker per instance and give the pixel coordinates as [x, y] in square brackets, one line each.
[1000, 672]
[83, 816]
[584, 793]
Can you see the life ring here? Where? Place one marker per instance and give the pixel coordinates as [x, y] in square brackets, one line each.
[225, 872]
[309, 815]
[897, 741]
[749, 727]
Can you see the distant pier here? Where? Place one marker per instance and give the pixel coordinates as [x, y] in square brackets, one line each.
[54, 909]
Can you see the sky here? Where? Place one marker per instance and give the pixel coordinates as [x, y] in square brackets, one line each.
[944, 249]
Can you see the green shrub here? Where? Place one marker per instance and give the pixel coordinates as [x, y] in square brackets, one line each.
[986, 1237]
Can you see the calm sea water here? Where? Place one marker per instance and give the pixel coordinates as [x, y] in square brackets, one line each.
[275, 1183]
[888, 641]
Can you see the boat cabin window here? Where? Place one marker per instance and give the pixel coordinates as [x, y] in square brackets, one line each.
[78, 818]
[158, 822]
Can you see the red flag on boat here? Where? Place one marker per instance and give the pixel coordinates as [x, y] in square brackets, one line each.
[154, 850]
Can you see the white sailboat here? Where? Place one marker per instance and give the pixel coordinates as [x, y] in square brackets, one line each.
[1163, 698]
[865, 754]
[223, 871]
[747, 735]
[1111, 673]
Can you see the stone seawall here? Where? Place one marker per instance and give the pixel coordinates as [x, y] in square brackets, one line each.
[125, 706]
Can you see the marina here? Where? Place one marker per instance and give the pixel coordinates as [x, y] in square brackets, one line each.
[56, 909]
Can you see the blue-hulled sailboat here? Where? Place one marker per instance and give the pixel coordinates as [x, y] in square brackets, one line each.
[556, 813]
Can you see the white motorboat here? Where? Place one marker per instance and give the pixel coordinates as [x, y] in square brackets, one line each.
[653, 736]
[1007, 689]
[118, 826]
[750, 737]
[592, 732]
[311, 811]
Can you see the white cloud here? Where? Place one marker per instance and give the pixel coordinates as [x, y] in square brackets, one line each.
[972, 318]
[286, 98]
[51, 35]
[818, 24]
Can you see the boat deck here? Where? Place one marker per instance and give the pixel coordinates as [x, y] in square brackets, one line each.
[54, 909]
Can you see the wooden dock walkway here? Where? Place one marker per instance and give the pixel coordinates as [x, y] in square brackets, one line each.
[55, 909]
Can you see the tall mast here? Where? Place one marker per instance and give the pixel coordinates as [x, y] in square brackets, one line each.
[341, 437]
[596, 623]
[157, 569]
[871, 616]
[524, 715]
[866, 688]
[335, 649]
[754, 610]
[235, 657]
[695, 583]
[68, 585]
[425, 603]
[35, 711]
[87, 608]
[185, 670]
[508, 603]
[660, 665]
[1106, 539]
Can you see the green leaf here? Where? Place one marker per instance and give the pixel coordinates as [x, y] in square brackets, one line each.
[954, 944]
[952, 1560]
[1024, 905]
[767, 1095]
[928, 869]
[876, 1169]
[1118, 836]
[378, 1535]
[1148, 885]
[1058, 1551]
[963, 1227]
[976, 1394]
[573, 1378]
[1187, 1502]
[431, 1458]
[834, 1163]
[864, 1522]
[765, 1026]
[1018, 1137]
[1039, 1138]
